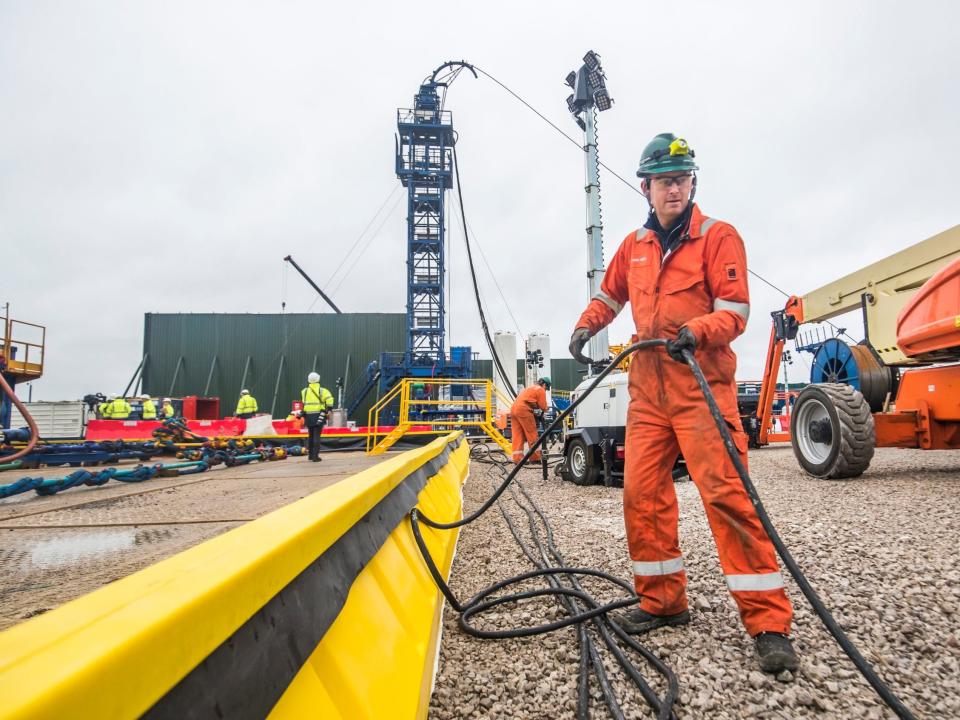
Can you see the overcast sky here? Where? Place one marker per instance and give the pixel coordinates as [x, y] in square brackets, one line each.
[164, 157]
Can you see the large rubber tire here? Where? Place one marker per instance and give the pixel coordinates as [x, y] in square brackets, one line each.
[581, 464]
[846, 450]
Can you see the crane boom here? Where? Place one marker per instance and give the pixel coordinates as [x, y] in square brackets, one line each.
[316, 287]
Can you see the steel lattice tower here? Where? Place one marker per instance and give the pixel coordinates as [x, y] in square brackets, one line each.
[424, 164]
[425, 167]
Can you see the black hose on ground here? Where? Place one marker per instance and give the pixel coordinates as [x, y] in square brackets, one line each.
[663, 708]
[869, 674]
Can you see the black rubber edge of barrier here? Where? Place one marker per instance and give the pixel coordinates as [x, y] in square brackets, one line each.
[248, 673]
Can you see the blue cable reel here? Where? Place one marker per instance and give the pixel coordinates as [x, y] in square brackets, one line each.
[837, 362]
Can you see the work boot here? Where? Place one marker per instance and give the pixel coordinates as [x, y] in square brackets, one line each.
[639, 621]
[776, 652]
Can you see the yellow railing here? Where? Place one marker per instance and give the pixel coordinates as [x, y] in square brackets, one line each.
[625, 363]
[21, 357]
[373, 415]
[430, 401]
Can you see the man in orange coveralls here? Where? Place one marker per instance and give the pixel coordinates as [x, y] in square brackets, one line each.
[685, 276]
[523, 425]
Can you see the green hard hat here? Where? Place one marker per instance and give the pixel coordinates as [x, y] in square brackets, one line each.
[545, 380]
[666, 153]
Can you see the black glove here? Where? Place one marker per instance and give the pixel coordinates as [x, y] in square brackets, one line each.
[580, 338]
[685, 341]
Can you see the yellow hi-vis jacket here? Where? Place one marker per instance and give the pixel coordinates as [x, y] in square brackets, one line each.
[315, 398]
[118, 409]
[149, 410]
[168, 411]
[246, 404]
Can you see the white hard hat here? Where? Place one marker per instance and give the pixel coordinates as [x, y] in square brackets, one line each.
[313, 377]
[112, 396]
[244, 392]
[166, 399]
[144, 397]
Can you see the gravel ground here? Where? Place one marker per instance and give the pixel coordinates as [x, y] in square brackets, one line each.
[881, 550]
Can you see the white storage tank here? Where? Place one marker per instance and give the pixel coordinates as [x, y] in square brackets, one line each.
[505, 345]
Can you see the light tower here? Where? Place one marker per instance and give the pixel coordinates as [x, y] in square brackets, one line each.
[589, 96]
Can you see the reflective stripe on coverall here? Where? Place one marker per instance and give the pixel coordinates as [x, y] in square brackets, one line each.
[702, 285]
[523, 426]
[246, 404]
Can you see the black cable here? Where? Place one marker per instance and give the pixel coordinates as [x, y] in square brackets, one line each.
[589, 656]
[892, 701]
[555, 127]
[476, 288]
[599, 162]
[360, 236]
[601, 624]
[478, 602]
[763, 279]
[483, 601]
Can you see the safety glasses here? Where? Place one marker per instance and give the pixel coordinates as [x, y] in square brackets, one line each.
[667, 182]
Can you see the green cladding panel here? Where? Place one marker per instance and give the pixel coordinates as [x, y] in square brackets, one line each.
[185, 350]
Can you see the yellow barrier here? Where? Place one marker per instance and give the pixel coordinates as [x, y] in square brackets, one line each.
[320, 609]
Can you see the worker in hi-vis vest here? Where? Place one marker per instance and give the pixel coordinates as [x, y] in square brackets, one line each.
[685, 277]
[117, 409]
[246, 405]
[167, 409]
[316, 402]
[148, 409]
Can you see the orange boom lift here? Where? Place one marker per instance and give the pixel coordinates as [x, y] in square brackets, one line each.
[900, 387]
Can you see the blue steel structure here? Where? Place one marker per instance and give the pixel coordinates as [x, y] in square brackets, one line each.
[424, 164]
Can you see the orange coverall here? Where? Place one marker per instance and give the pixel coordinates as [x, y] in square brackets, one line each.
[700, 284]
[523, 426]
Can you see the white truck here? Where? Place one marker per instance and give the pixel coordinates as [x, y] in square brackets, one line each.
[593, 447]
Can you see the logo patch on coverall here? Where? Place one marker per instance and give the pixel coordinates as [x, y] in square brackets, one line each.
[731, 270]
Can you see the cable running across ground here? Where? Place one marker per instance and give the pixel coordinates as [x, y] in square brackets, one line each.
[480, 602]
[547, 556]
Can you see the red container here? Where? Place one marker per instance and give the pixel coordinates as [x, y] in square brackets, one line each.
[201, 408]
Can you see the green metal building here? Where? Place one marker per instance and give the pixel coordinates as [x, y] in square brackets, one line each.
[218, 354]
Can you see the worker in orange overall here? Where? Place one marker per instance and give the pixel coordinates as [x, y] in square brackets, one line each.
[523, 417]
[685, 277]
